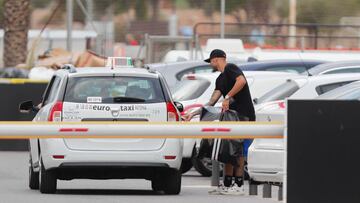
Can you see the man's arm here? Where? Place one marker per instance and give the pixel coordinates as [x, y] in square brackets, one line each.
[239, 84]
[213, 99]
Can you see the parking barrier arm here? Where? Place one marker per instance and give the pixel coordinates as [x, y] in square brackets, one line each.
[238, 130]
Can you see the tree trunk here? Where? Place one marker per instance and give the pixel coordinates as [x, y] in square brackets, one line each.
[16, 26]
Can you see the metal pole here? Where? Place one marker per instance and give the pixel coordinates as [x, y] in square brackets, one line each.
[90, 9]
[69, 20]
[222, 32]
[267, 190]
[215, 164]
[292, 21]
[215, 173]
[196, 46]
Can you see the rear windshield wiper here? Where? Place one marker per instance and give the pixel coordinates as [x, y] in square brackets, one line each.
[128, 99]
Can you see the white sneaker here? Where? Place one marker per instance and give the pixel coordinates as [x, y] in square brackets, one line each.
[218, 190]
[233, 190]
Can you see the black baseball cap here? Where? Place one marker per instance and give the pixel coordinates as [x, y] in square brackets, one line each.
[216, 53]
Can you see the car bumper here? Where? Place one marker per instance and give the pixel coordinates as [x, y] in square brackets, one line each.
[51, 147]
[265, 165]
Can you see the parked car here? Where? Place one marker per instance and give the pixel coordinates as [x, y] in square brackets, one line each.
[194, 90]
[106, 94]
[173, 72]
[266, 156]
[347, 92]
[304, 87]
[335, 68]
[282, 65]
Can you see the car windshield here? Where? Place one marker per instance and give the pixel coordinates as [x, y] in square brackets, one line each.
[114, 90]
[280, 92]
[189, 89]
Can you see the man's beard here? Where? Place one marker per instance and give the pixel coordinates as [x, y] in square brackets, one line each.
[214, 69]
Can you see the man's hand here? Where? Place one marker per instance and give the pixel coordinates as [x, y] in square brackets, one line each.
[188, 116]
[225, 104]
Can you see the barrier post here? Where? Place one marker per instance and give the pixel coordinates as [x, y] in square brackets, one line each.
[267, 190]
[280, 193]
[253, 189]
[215, 173]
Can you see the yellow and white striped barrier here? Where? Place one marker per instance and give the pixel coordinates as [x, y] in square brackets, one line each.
[238, 130]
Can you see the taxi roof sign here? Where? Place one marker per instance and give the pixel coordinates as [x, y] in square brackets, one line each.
[119, 62]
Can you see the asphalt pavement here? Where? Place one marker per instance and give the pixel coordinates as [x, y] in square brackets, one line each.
[14, 188]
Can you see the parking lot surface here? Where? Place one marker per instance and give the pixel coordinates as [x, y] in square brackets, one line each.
[14, 175]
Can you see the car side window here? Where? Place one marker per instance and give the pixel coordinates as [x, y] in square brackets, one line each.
[193, 70]
[325, 88]
[290, 69]
[344, 70]
[51, 91]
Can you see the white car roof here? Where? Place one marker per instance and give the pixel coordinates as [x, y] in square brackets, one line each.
[212, 76]
[106, 71]
[308, 88]
[329, 78]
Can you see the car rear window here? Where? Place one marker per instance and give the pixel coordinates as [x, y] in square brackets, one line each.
[280, 92]
[328, 87]
[116, 89]
[189, 89]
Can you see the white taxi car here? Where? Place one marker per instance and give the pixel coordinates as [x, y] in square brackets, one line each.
[106, 94]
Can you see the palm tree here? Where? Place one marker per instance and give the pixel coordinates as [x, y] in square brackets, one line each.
[16, 26]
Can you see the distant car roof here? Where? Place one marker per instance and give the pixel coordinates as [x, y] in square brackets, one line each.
[214, 75]
[260, 65]
[102, 71]
[326, 66]
[158, 66]
[185, 63]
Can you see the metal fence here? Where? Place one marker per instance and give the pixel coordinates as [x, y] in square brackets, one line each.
[270, 35]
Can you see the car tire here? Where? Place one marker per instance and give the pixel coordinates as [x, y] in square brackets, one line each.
[204, 166]
[172, 182]
[201, 167]
[246, 172]
[156, 185]
[47, 180]
[33, 176]
[186, 165]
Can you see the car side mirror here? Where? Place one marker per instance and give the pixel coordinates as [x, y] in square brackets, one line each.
[255, 100]
[27, 107]
[179, 106]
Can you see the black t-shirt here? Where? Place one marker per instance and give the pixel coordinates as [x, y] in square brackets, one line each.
[243, 102]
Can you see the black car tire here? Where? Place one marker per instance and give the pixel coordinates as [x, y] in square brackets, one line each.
[186, 165]
[47, 180]
[33, 176]
[172, 182]
[157, 185]
[203, 165]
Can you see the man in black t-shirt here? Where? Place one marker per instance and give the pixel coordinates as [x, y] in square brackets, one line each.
[232, 85]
